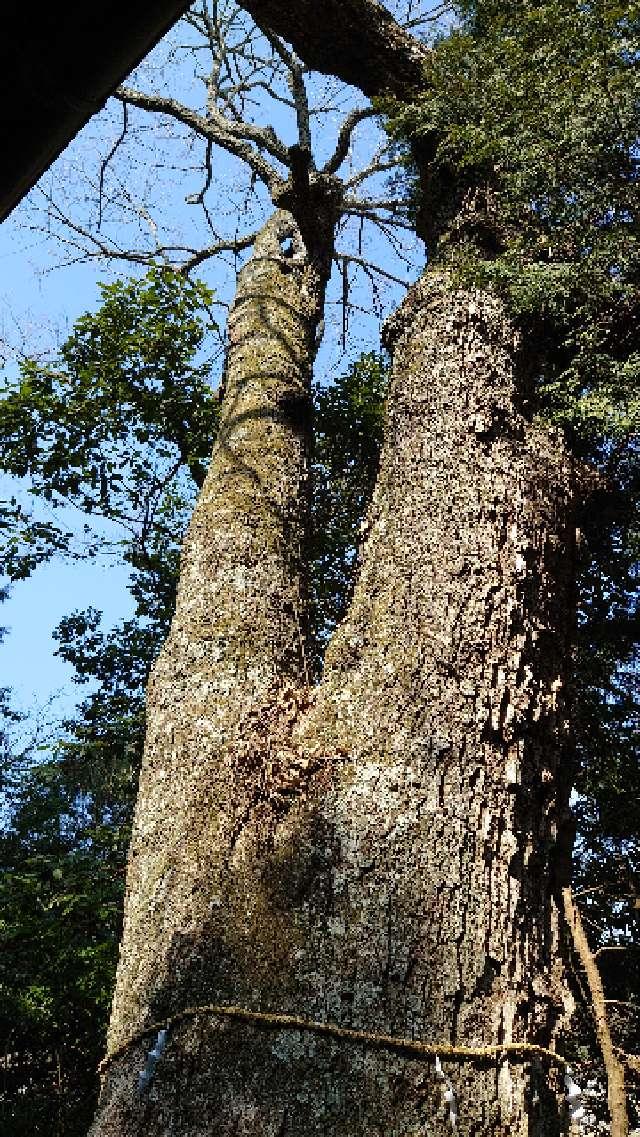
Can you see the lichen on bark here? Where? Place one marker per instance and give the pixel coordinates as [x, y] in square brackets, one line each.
[237, 636]
[377, 851]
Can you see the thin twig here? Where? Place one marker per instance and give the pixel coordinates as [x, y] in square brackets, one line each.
[110, 155]
[237, 245]
[235, 137]
[369, 267]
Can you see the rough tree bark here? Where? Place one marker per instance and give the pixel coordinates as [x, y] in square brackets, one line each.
[237, 636]
[447, 685]
[357, 40]
[377, 852]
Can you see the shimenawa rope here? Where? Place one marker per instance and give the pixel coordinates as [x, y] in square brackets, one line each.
[407, 1046]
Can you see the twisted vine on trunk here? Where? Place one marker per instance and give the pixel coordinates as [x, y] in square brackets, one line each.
[238, 634]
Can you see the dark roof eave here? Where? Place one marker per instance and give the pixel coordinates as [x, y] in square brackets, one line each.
[59, 64]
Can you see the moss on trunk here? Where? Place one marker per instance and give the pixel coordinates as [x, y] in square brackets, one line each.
[379, 851]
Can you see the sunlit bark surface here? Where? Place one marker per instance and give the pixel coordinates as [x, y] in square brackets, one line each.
[237, 637]
[379, 851]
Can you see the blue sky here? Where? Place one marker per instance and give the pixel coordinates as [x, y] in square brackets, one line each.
[41, 294]
[38, 305]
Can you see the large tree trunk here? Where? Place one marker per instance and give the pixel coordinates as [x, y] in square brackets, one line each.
[237, 638]
[357, 40]
[378, 852]
[447, 686]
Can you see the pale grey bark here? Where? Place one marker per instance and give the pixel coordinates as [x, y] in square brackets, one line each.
[237, 640]
[379, 851]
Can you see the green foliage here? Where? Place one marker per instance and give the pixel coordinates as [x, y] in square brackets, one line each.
[532, 115]
[537, 105]
[120, 429]
[61, 892]
[58, 937]
[348, 438]
[120, 426]
[63, 859]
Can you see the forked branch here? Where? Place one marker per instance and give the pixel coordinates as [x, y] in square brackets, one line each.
[235, 138]
[344, 138]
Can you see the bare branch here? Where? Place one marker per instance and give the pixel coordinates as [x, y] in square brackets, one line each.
[295, 77]
[431, 17]
[212, 126]
[383, 224]
[301, 101]
[110, 155]
[230, 136]
[198, 198]
[608, 886]
[368, 267]
[365, 207]
[344, 138]
[236, 245]
[100, 246]
[369, 172]
[272, 93]
[187, 257]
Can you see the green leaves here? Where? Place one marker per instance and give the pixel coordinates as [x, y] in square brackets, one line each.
[119, 429]
[349, 417]
[63, 845]
[119, 426]
[60, 899]
[533, 111]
